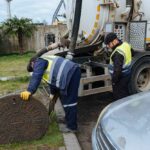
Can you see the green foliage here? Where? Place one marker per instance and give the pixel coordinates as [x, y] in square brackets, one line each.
[17, 26]
[20, 28]
[12, 86]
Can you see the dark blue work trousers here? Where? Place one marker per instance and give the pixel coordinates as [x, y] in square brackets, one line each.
[121, 88]
[69, 101]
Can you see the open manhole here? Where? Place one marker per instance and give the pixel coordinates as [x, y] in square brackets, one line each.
[22, 120]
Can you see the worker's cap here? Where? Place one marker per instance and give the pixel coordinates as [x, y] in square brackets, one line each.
[29, 66]
[109, 38]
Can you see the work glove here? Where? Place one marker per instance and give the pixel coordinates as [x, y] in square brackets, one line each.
[25, 95]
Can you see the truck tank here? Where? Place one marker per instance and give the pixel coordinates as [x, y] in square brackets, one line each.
[92, 21]
[100, 16]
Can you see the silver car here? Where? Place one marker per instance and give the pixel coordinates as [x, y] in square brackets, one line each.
[124, 125]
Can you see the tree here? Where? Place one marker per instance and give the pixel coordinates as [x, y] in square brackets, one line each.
[19, 27]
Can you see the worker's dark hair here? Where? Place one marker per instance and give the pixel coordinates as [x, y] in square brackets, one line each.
[110, 37]
[29, 66]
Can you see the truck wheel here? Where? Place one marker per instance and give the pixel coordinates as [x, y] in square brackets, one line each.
[140, 76]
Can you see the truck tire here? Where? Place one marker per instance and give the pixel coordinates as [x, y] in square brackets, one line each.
[140, 76]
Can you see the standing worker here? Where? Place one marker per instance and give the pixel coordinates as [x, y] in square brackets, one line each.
[120, 65]
[62, 75]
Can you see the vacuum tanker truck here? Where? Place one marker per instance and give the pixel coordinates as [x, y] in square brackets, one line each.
[88, 22]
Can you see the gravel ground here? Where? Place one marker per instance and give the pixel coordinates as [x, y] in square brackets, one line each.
[89, 108]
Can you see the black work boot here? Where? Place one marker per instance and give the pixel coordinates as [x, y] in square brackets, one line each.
[65, 129]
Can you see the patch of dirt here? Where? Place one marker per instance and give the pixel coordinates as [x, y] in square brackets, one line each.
[89, 108]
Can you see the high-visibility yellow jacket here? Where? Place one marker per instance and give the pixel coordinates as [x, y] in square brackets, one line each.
[59, 71]
[125, 50]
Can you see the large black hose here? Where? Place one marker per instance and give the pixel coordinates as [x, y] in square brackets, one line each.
[131, 11]
[76, 24]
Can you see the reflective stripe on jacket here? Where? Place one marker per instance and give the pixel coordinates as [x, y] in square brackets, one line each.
[125, 50]
[59, 71]
[51, 62]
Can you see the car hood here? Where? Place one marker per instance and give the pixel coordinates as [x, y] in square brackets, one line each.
[126, 122]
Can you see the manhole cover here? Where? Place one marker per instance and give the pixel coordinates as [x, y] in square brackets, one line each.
[22, 120]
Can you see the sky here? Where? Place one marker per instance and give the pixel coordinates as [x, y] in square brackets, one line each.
[37, 10]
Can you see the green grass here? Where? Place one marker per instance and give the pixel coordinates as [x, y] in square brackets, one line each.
[52, 139]
[13, 85]
[14, 65]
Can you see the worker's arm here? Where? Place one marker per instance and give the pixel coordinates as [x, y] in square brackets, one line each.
[38, 71]
[53, 90]
[118, 60]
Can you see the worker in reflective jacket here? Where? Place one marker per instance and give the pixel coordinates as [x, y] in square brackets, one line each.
[62, 75]
[120, 65]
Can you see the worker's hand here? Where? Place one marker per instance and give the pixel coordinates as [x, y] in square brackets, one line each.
[25, 95]
[51, 96]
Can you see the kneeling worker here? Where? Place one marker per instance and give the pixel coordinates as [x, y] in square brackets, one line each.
[62, 75]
